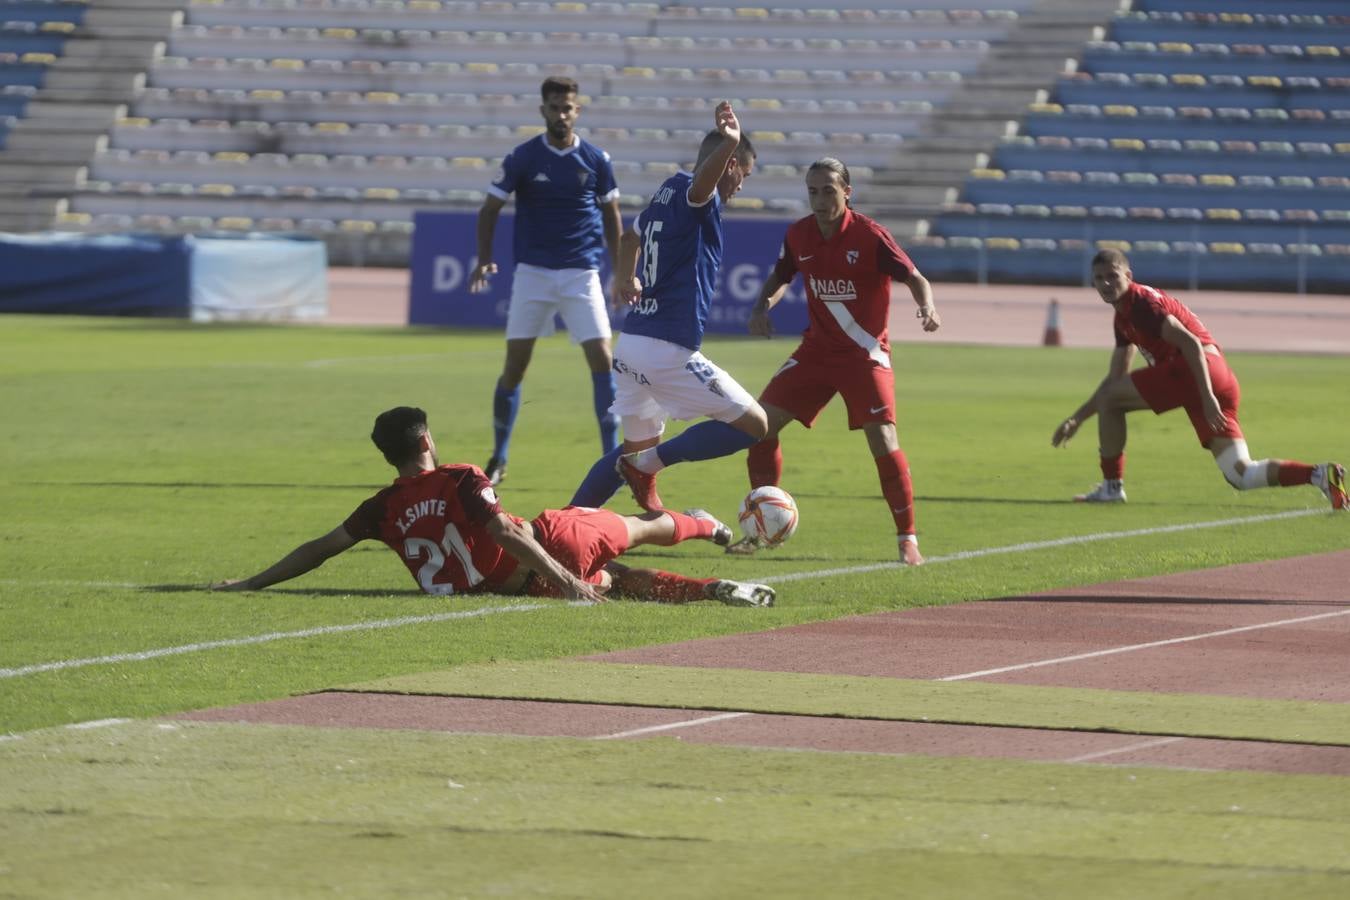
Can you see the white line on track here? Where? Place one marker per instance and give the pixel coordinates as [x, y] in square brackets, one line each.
[1046, 545]
[442, 617]
[1128, 748]
[268, 638]
[651, 729]
[1129, 648]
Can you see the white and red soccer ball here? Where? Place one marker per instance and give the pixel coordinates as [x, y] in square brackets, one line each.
[768, 515]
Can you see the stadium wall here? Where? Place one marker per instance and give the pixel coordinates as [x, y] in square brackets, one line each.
[151, 275]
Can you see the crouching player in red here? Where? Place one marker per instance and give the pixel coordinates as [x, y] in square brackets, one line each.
[1185, 369]
[847, 262]
[446, 524]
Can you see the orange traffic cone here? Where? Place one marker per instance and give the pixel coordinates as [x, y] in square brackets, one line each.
[1052, 338]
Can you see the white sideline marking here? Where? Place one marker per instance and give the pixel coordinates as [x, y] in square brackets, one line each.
[1045, 545]
[1128, 748]
[268, 638]
[1110, 651]
[779, 579]
[654, 728]
[95, 723]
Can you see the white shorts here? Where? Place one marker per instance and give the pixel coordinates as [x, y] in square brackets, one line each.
[538, 293]
[657, 379]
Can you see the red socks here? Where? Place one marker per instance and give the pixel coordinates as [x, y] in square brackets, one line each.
[1292, 473]
[1113, 467]
[897, 489]
[687, 527]
[656, 586]
[765, 463]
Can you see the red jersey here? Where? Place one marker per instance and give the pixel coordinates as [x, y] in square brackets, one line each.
[1140, 314]
[436, 522]
[848, 284]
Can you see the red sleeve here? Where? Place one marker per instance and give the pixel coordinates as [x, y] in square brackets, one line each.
[786, 267]
[1121, 339]
[891, 260]
[364, 522]
[477, 497]
[1147, 314]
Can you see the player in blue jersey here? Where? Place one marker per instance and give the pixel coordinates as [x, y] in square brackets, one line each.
[567, 213]
[661, 371]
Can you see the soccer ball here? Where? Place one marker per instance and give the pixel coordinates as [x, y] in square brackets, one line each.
[768, 515]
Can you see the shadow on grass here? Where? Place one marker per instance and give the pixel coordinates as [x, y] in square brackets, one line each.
[216, 485]
[289, 592]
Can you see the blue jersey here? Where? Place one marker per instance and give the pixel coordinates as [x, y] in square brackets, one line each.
[681, 252]
[558, 197]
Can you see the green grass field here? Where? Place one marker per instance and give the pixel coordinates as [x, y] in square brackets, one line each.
[145, 459]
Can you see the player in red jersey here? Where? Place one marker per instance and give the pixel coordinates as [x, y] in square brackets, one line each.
[446, 524]
[1185, 369]
[847, 262]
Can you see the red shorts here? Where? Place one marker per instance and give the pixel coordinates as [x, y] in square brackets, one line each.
[1171, 384]
[580, 538]
[806, 383]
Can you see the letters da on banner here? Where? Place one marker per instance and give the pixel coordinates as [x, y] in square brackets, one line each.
[444, 253]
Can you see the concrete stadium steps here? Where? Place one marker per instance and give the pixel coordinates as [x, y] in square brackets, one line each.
[625, 145]
[518, 49]
[521, 111]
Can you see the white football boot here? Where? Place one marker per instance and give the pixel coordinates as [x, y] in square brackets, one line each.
[1112, 490]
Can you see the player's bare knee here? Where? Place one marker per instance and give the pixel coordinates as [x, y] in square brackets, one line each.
[1239, 470]
[754, 422]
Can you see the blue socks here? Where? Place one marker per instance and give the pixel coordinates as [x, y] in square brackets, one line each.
[706, 440]
[505, 405]
[600, 483]
[602, 396]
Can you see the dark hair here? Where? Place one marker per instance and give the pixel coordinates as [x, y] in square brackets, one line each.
[830, 164]
[558, 84]
[1110, 257]
[745, 151]
[398, 433]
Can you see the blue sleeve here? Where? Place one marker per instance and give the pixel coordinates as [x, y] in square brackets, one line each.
[606, 187]
[507, 176]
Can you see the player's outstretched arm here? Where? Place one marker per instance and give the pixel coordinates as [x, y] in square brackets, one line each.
[709, 172]
[921, 289]
[307, 557]
[759, 323]
[627, 286]
[1119, 368]
[611, 221]
[487, 228]
[1181, 337]
[517, 540]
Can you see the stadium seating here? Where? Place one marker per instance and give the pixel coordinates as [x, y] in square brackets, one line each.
[366, 110]
[1214, 128]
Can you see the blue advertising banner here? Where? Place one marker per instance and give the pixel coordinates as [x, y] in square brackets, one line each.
[444, 253]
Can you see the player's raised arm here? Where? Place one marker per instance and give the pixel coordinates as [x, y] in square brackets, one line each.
[487, 227]
[710, 171]
[305, 558]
